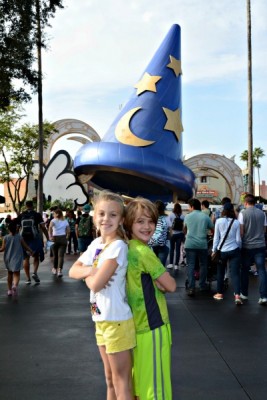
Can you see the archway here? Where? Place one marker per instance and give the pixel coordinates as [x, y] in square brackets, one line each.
[70, 126]
[225, 167]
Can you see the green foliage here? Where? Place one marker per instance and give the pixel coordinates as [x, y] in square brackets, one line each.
[18, 145]
[63, 204]
[18, 27]
[256, 155]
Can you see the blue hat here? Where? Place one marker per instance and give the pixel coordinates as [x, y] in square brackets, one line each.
[86, 208]
[141, 154]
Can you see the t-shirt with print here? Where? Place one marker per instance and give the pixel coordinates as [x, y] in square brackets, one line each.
[147, 302]
[110, 303]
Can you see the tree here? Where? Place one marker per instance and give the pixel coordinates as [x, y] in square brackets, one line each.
[257, 154]
[250, 113]
[18, 145]
[22, 32]
[19, 38]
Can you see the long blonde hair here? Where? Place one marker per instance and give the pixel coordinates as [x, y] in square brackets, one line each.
[135, 207]
[106, 195]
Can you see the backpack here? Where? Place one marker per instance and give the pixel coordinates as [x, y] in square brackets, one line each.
[3, 229]
[177, 224]
[84, 227]
[28, 230]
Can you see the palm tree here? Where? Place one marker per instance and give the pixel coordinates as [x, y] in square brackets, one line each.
[250, 114]
[258, 153]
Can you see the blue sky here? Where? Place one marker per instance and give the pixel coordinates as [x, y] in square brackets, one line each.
[99, 50]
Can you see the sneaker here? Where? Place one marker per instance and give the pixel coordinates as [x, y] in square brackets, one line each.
[59, 274]
[176, 267]
[169, 266]
[28, 281]
[262, 301]
[54, 271]
[14, 291]
[191, 292]
[243, 297]
[9, 293]
[218, 296]
[238, 300]
[35, 277]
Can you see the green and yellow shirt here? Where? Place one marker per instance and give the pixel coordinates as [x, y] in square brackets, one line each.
[147, 302]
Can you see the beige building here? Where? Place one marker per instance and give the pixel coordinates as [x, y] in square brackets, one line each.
[216, 177]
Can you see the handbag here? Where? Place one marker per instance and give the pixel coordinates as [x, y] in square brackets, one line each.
[216, 256]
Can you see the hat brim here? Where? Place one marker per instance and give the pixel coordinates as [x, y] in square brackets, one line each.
[134, 171]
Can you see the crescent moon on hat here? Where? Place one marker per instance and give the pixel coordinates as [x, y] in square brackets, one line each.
[124, 134]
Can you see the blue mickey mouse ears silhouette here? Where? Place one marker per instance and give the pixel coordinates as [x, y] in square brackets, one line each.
[141, 153]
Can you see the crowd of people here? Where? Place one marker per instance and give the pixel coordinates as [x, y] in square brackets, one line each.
[122, 252]
[23, 237]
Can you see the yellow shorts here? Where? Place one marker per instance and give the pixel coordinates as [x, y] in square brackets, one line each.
[115, 335]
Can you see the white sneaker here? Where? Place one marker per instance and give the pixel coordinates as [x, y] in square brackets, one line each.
[176, 267]
[262, 301]
[59, 274]
[54, 271]
[169, 266]
[243, 297]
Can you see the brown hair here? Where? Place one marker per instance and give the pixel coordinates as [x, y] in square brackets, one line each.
[106, 195]
[160, 206]
[228, 213]
[135, 207]
[250, 199]
[58, 214]
[177, 209]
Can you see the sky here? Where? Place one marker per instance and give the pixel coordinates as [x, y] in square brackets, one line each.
[98, 50]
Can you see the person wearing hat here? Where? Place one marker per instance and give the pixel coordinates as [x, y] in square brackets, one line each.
[230, 251]
[84, 229]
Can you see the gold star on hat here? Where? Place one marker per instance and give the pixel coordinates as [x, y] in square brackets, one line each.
[147, 83]
[173, 123]
[175, 65]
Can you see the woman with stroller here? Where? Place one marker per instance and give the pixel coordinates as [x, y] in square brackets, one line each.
[230, 251]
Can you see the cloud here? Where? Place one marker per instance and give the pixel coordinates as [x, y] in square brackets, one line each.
[99, 50]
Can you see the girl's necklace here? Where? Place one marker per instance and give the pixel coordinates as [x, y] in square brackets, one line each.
[100, 251]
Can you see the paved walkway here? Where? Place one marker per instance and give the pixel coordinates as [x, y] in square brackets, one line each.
[48, 347]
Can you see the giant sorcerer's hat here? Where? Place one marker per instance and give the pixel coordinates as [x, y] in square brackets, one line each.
[141, 154]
